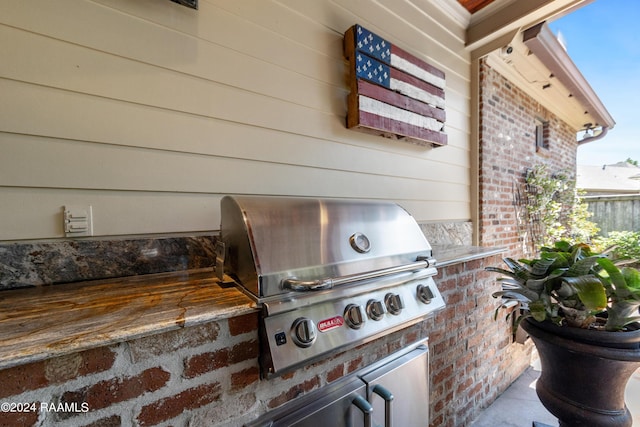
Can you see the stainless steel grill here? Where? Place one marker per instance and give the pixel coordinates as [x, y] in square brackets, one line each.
[329, 274]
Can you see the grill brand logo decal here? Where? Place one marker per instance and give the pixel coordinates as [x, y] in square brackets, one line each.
[331, 323]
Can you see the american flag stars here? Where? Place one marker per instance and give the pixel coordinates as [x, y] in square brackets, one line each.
[372, 70]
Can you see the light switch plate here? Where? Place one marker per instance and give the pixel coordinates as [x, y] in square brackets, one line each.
[78, 220]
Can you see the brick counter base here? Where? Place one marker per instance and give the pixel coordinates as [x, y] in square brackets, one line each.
[473, 359]
[208, 375]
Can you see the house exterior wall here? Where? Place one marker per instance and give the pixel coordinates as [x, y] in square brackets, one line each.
[150, 111]
[507, 150]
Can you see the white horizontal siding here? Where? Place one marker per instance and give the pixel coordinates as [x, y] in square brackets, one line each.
[37, 211]
[148, 109]
[70, 164]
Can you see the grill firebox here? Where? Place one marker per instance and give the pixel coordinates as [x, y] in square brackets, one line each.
[329, 274]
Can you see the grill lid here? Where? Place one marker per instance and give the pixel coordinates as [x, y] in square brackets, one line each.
[273, 245]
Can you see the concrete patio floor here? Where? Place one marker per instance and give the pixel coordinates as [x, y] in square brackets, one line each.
[519, 405]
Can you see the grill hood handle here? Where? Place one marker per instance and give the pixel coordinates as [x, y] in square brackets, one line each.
[328, 283]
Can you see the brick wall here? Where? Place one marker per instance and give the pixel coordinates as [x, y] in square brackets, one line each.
[473, 357]
[164, 379]
[507, 149]
[208, 375]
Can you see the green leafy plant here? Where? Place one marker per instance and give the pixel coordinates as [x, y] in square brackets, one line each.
[555, 209]
[625, 244]
[572, 285]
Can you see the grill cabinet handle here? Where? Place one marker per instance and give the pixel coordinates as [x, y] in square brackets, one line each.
[388, 398]
[321, 284]
[366, 408]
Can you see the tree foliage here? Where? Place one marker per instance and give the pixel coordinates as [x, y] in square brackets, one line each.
[554, 202]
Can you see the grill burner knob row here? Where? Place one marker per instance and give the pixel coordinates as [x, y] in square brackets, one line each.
[425, 294]
[375, 309]
[303, 332]
[354, 316]
[394, 303]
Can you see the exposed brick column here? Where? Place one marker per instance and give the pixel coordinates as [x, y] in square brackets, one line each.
[507, 149]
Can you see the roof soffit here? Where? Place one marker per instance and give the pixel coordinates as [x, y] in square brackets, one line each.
[537, 63]
[541, 41]
[504, 16]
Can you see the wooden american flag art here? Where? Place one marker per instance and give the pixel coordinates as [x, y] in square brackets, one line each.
[393, 93]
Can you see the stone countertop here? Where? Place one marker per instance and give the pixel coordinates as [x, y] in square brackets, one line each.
[454, 254]
[48, 321]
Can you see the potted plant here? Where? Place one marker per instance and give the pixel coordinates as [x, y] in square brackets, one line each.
[582, 312]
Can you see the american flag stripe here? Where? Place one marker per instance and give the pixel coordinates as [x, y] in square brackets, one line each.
[394, 98]
[378, 124]
[374, 106]
[394, 86]
[415, 88]
[416, 67]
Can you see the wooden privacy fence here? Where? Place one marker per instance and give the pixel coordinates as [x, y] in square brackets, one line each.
[615, 213]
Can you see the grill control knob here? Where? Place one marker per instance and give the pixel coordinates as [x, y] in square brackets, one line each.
[425, 294]
[375, 309]
[303, 332]
[354, 316]
[394, 303]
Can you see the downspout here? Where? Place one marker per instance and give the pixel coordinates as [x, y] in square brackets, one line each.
[605, 129]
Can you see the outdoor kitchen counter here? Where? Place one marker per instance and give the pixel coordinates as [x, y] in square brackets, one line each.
[455, 254]
[48, 321]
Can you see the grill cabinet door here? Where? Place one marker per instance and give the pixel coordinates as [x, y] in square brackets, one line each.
[335, 405]
[407, 380]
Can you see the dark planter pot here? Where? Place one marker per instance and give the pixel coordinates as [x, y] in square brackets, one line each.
[582, 382]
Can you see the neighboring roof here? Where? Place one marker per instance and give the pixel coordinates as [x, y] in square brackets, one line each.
[620, 178]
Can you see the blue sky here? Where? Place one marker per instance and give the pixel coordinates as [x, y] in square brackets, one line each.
[602, 40]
